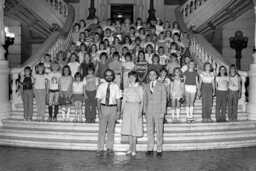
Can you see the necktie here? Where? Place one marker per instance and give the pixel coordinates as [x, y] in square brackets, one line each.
[152, 87]
[107, 95]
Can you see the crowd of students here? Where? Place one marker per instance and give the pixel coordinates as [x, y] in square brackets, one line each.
[72, 77]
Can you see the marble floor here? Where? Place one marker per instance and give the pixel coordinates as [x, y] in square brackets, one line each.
[27, 159]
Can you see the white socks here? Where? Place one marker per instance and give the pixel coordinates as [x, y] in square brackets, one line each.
[68, 113]
[63, 113]
[191, 111]
[178, 113]
[173, 112]
[187, 112]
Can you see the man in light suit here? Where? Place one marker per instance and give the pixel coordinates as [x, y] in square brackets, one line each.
[155, 109]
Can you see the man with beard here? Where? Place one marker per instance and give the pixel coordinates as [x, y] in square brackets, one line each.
[108, 103]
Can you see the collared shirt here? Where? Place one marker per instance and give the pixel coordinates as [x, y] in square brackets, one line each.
[152, 85]
[115, 93]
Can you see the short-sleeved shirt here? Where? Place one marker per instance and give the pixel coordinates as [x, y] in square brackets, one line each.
[65, 82]
[133, 94]
[190, 77]
[39, 81]
[27, 83]
[233, 83]
[74, 67]
[53, 80]
[115, 93]
[222, 83]
[207, 78]
[78, 87]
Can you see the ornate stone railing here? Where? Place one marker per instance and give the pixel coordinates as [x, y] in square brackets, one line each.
[202, 50]
[57, 41]
[60, 6]
[200, 12]
[190, 6]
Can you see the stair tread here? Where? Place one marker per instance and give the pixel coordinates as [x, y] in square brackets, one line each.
[178, 142]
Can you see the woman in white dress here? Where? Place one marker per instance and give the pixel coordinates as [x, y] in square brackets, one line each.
[132, 112]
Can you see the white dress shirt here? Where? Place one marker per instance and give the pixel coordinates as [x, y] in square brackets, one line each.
[115, 93]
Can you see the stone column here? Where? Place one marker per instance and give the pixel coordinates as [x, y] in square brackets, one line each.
[251, 107]
[5, 107]
[92, 11]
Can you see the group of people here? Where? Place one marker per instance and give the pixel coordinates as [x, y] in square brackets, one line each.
[149, 61]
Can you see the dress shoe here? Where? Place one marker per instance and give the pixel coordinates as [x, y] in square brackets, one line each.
[129, 152]
[159, 154]
[100, 153]
[149, 153]
[110, 152]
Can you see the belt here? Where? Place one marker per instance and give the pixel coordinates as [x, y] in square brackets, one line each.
[111, 105]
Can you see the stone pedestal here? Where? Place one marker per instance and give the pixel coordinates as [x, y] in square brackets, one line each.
[5, 105]
[251, 106]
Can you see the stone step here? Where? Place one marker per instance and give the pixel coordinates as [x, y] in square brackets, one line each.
[86, 127]
[92, 145]
[183, 109]
[93, 135]
[197, 116]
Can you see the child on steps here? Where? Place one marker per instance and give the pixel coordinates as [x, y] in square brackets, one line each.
[78, 92]
[65, 87]
[176, 93]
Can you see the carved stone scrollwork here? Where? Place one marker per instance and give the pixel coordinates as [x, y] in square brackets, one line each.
[55, 27]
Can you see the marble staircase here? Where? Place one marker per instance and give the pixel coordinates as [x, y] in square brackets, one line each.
[83, 136]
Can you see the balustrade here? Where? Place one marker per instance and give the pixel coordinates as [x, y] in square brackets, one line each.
[61, 44]
[60, 6]
[201, 51]
[190, 6]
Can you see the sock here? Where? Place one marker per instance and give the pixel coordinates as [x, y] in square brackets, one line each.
[178, 113]
[173, 114]
[68, 113]
[56, 110]
[187, 112]
[50, 111]
[191, 111]
[63, 113]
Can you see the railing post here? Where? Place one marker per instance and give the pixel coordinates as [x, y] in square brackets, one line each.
[251, 107]
[5, 105]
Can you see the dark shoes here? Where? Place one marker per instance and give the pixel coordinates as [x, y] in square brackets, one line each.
[110, 152]
[149, 153]
[100, 153]
[159, 154]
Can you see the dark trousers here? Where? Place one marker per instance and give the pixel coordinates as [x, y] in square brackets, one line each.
[232, 105]
[90, 105]
[206, 100]
[27, 98]
[221, 105]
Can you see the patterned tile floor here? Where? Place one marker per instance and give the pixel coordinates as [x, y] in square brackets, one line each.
[27, 159]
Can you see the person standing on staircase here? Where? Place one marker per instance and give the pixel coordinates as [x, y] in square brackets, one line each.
[53, 90]
[155, 109]
[108, 103]
[26, 91]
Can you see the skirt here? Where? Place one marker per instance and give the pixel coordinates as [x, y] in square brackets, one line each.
[77, 97]
[132, 124]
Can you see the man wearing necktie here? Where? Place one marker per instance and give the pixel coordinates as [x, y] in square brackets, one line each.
[108, 103]
[155, 109]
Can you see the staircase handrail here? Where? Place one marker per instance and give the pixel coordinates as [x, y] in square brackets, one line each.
[57, 41]
[202, 51]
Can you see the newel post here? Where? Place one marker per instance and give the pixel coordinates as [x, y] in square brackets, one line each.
[4, 71]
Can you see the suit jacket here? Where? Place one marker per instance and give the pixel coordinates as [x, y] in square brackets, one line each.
[155, 103]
